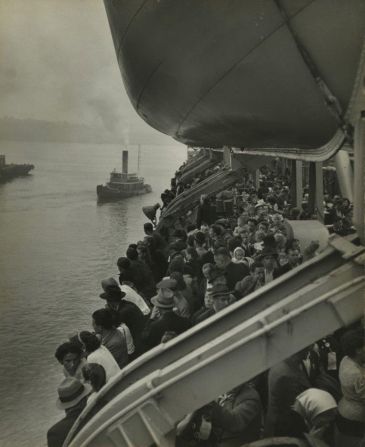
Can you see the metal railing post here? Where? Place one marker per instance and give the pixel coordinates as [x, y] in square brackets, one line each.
[359, 175]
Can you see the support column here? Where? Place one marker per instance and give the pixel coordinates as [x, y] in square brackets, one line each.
[227, 156]
[345, 175]
[296, 190]
[315, 202]
[359, 171]
[256, 179]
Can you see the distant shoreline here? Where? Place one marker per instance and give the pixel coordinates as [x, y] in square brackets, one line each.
[32, 130]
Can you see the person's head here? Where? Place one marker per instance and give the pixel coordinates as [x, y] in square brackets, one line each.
[222, 257]
[148, 228]
[123, 264]
[90, 341]
[95, 375]
[215, 231]
[69, 355]
[251, 211]
[263, 227]
[353, 345]
[206, 269]
[150, 243]
[199, 239]
[253, 197]
[269, 260]
[245, 237]
[242, 219]
[258, 271]
[317, 408]
[208, 300]
[295, 244]
[204, 227]
[282, 258]
[164, 300]
[277, 219]
[251, 225]
[141, 247]
[259, 236]
[132, 253]
[221, 297]
[102, 320]
[112, 293]
[293, 256]
[280, 241]
[239, 254]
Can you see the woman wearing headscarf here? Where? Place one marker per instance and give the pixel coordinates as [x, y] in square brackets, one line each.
[239, 257]
[314, 412]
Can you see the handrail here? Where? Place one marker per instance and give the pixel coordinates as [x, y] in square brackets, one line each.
[306, 279]
[265, 338]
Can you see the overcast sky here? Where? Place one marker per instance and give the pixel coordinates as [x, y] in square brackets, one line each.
[57, 62]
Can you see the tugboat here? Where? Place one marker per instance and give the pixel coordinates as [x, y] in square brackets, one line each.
[10, 171]
[122, 185]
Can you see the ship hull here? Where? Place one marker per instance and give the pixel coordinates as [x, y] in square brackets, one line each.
[106, 193]
[214, 73]
[8, 172]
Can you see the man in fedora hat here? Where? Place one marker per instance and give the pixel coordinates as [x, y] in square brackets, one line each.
[72, 397]
[123, 311]
[163, 318]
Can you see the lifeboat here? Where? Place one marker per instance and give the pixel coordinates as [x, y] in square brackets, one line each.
[243, 73]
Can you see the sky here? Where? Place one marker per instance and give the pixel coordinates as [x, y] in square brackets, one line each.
[57, 63]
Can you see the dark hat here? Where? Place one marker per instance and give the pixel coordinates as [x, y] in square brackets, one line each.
[123, 262]
[70, 392]
[167, 283]
[220, 290]
[164, 299]
[111, 289]
[260, 203]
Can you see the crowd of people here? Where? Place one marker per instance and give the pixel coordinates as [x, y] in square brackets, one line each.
[186, 270]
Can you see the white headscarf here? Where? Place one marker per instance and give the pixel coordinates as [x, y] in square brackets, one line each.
[313, 402]
[234, 258]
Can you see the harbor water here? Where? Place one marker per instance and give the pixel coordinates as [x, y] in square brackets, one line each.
[56, 245]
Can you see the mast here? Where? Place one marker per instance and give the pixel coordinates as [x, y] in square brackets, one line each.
[139, 158]
[125, 162]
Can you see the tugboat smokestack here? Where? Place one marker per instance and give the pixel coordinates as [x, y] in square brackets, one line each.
[125, 162]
